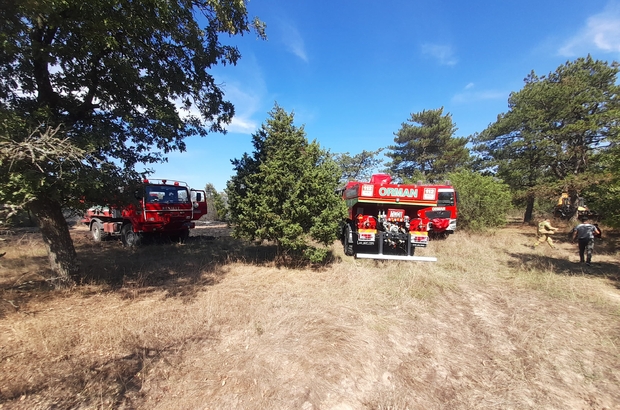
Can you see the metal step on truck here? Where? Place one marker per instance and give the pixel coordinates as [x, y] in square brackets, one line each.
[389, 221]
[164, 207]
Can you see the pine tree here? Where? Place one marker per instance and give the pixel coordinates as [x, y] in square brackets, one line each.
[428, 150]
[358, 167]
[555, 129]
[285, 191]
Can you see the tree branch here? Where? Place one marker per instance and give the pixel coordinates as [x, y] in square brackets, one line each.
[40, 149]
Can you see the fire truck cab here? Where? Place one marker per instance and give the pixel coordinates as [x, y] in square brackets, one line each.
[163, 207]
[389, 221]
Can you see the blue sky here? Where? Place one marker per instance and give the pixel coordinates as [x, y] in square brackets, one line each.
[354, 71]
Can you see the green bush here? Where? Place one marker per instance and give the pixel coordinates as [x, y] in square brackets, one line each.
[483, 201]
[285, 192]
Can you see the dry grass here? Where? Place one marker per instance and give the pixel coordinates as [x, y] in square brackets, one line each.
[494, 324]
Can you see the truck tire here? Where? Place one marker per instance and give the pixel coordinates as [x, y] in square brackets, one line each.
[184, 235]
[346, 241]
[181, 237]
[130, 238]
[96, 229]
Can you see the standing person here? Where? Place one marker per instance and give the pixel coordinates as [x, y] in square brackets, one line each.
[585, 233]
[545, 230]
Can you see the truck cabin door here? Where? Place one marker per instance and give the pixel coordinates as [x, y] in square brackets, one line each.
[199, 203]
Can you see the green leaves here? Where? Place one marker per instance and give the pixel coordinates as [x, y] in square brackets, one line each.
[427, 150]
[285, 191]
[556, 126]
[119, 79]
[119, 76]
[358, 167]
[483, 201]
[216, 203]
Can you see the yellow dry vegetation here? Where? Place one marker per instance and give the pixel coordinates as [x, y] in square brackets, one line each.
[216, 324]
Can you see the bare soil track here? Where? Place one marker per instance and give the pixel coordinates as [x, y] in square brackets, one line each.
[216, 324]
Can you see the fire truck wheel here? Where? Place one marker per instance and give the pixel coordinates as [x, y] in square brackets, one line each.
[184, 235]
[96, 229]
[181, 237]
[129, 237]
[346, 241]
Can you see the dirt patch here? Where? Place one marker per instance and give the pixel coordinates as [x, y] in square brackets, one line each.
[212, 229]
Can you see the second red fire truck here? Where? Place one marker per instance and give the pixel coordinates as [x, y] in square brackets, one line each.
[163, 207]
[389, 221]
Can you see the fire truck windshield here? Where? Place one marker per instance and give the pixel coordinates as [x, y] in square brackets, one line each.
[166, 194]
[445, 199]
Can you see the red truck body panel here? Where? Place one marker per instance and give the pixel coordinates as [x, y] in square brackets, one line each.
[163, 206]
[387, 219]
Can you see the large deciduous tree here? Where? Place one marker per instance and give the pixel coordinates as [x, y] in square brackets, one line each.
[428, 150]
[556, 125]
[285, 192]
[118, 82]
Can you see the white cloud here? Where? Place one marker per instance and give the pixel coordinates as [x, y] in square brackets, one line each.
[242, 122]
[247, 101]
[442, 53]
[601, 31]
[293, 41]
[242, 125]
[469, 95]
[244, 86]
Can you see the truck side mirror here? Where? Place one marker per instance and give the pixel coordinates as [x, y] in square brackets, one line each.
[137, 194]
[198, 197]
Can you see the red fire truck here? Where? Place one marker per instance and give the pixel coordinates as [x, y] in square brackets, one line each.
[389, 221]
[164, 207]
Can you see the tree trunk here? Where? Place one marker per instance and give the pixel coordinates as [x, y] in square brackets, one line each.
[57, 239]
[529, 209]
[574, 205]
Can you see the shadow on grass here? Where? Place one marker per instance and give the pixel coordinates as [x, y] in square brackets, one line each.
[156, 263]
[608, 244]
[563, 266]
[181, 270]
[91, 381]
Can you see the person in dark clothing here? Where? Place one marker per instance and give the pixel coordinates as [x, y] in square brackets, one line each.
[585, 233]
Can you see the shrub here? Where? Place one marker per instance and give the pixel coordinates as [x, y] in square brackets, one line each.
[483, 201]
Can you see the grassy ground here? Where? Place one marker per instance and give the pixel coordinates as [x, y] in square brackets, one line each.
[214, 324]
